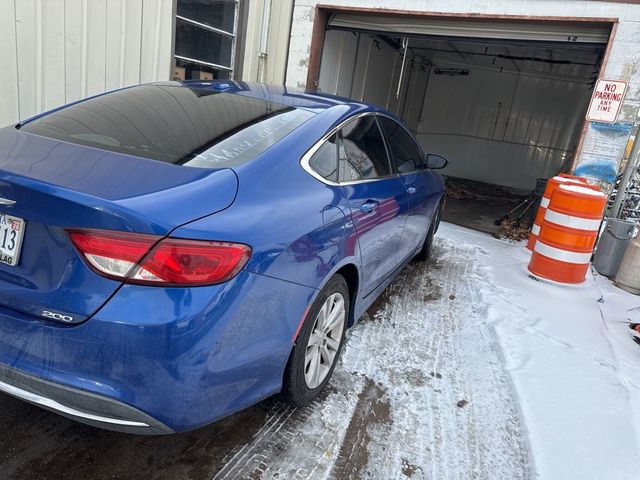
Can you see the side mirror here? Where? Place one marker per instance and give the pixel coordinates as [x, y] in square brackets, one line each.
[436, 162]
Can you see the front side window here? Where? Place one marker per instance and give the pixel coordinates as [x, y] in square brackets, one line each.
[362, 154]
[405, 154]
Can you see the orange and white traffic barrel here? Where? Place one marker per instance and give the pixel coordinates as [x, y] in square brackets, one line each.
[552, 184]
[568, 234]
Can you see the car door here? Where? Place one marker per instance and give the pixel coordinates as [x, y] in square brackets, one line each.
[406, 157]
[377, 199]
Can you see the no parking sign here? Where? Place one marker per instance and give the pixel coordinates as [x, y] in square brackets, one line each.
[606, 101]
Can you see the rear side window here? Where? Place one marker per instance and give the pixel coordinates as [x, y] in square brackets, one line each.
[362, 154]
[174, 124]
[405, 154]
[325, 160]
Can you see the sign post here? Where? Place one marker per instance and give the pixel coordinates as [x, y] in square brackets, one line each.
[606, 101]
[632, 164]
[604, 107]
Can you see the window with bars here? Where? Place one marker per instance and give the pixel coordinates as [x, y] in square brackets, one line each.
[205, 39]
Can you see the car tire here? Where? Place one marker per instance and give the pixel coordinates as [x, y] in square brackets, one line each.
[317, 348]
[425, 252]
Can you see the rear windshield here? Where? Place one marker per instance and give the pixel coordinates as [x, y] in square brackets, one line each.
[179, 125]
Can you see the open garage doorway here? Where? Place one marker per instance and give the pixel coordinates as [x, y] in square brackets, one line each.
[503, 100]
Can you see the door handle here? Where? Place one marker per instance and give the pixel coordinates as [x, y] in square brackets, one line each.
[368, 206]
[411, 190]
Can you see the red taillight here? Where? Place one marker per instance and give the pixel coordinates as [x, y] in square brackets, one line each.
[193, 262]
[151, 260]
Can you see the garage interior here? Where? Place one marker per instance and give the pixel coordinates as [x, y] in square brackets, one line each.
[503, 101]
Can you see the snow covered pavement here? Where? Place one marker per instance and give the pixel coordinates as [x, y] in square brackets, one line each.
[574, 367]
[420, 392]
[470, 368]
[465, 368]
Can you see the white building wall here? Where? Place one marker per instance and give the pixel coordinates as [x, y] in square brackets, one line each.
[54, 52]
[602, 148]
[275, 61]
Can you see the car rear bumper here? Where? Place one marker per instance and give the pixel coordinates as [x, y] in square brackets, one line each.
[85, 407]
[157, 360]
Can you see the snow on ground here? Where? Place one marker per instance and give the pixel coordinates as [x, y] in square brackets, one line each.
[574, 367]
[430, 349]
[572, 361]
[421, 391]
[469, 368]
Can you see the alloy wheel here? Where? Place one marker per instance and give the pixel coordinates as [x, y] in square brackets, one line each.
[324, 340]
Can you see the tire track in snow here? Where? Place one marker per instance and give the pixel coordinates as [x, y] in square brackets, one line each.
[276, 418]
[424, 347]
[298, 443]
[433, 348]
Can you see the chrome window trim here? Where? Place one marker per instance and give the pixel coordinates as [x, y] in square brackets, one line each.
[306, 158]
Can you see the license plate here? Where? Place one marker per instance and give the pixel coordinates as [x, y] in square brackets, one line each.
[11, 233]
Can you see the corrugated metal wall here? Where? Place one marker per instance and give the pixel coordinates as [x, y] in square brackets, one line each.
[502, 127]
[364, 67]
[57, 51]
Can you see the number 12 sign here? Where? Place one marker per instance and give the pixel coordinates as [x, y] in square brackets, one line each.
[606, 101]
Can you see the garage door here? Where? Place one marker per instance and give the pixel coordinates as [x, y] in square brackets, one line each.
[458, 27]
[503, 100]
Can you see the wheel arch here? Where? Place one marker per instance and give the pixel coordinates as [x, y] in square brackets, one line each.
[351, 275]
[349, 271]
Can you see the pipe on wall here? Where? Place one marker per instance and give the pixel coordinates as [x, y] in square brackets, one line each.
[264, 41]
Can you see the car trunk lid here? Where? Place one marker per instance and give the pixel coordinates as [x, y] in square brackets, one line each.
[54, 185]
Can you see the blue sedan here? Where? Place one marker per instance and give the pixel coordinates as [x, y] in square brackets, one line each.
[174, 252]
